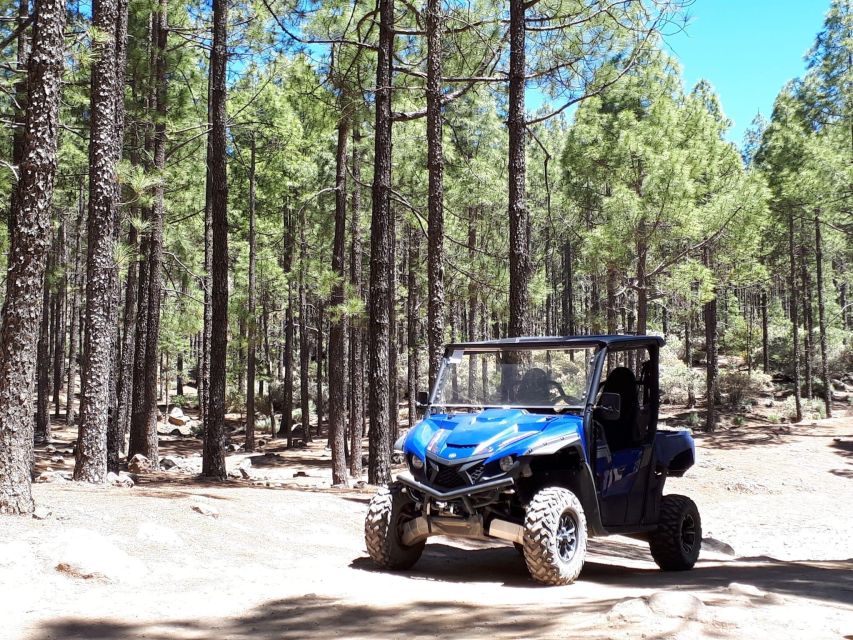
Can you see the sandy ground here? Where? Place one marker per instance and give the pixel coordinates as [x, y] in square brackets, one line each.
[289, 561]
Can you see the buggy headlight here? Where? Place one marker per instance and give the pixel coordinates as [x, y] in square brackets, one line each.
[506, 463]
[417, 463]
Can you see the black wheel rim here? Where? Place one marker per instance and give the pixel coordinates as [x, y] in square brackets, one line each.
[688, 533]
[567, 537]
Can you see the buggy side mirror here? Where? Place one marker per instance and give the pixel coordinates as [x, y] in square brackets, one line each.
[609, 406]
[422, 399]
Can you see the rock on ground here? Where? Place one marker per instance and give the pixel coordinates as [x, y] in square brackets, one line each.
[677, 604]
[120, 480]
[205, 509]
[139, 464]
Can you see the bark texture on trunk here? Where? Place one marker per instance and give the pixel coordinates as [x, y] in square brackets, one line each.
[91, 463]
[252, 337]
[22, 307]
[381, 259]
[74, 330]
[337, 320]
[213, 461]
[435, 167]
[821, 310]
[519, 216]
[155, 249]
[795, 336]
[710, 313]
[42, 434]
[355, 351]
[288, 240]
[125, 381]
[412, 306]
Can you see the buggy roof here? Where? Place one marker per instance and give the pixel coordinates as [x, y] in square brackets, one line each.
[560, 342]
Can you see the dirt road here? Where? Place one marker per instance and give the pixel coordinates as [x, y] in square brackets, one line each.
[289, 562]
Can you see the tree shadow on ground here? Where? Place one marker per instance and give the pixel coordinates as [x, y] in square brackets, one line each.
[315, 616]
[831, 581]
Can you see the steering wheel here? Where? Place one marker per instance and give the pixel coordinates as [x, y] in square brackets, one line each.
[563, 395]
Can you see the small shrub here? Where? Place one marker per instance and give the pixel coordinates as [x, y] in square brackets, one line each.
[676, 378]
[774, 418]
[179, 401]
[693, 420]
[738, 386]
[812, 409]
[738, 421]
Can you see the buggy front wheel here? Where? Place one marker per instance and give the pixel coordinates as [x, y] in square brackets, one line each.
[554, 536]
[389, 510]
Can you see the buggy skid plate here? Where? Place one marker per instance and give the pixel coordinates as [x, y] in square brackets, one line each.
[408, 480]
[423, 527]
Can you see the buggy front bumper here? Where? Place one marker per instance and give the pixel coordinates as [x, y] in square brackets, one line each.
[407, 479]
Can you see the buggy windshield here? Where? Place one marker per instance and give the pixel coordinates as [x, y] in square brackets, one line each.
[553, 379]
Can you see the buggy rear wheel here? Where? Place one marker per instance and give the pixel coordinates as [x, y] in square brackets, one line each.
[389, 510]
[554, 536]
[676, 543]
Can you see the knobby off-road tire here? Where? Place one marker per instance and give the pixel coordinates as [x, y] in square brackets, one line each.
[554, 536]
[389, 509]
[676, 543]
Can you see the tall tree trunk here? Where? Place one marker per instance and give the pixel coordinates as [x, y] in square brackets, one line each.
[337, 319]
[213, 462]
[792, 283]
[318, 401]
[207, 280]
[125, 381]
[269, 361]
[821, 311]
[288, 238]
[807, 324]
[304, 353]
[765, 337]
[393, 344]
[568, 325]
[472, 298]
[710, 312]
[688, 359]
[381, 258]
[519, 216]
[642, 285]
[155, 255]
[42, 434]
[115, 430]
[435, 167]
[22, 307]
[59, 322]
[412, 324]
[138, 418]
[612, 276]
[250, 363]
[356, 364]
[76, 288]
[91, 463]
[22, 64]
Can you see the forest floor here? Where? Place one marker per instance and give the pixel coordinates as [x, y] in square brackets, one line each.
[174, 557]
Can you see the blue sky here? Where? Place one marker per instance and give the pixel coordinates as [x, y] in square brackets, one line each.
[747, 49]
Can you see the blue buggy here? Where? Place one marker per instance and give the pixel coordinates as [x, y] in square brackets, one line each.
[540, 442]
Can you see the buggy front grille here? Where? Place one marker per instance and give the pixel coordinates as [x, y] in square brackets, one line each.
[452, 476]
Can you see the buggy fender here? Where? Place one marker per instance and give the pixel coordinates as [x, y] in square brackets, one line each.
[564, 464]
[675, 451]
